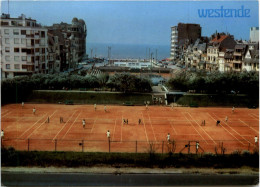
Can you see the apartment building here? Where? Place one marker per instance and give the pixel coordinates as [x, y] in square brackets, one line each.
[218, 44]
[23, 46]
[251, 59]
[182, 36]
[254, 34]
[174, 42]
[70, 42]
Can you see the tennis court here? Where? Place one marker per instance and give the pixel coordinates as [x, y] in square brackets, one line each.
[25, 131]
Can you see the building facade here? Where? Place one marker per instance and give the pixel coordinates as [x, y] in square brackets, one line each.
[182, 36]
[70, 42]
[23, 47]
[254, 34]
[174, 42]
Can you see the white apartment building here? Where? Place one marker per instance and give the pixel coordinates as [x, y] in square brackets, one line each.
[174, 42]
[24, 46]
[254, 34]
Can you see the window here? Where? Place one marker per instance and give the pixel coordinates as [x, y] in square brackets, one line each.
[14, 23]
[24, 66]
[17, 66]
[7, 49]
[16, 32]
[4, 23]
[43, 34]
[23, 32]
[24, 58]
[37, 50]
[28, 24]
[16, 41]
[16, 58]
[7, 66]
[7, 58]
[23, 41]
[6, 31]
[7, 41]
[37, 41]
[16, 50]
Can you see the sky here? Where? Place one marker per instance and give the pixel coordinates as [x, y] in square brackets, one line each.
[136, 22]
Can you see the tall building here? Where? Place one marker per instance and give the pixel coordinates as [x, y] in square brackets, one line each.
[254, 34]
[23, 46]
[183, 35]
[70, 40]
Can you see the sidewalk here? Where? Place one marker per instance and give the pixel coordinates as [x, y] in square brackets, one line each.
[126, 170]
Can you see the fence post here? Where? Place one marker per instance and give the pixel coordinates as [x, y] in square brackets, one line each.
[162, 146]
[55, 144]
[136, 146]
[109, 145]
[82, 145]
[28, 144]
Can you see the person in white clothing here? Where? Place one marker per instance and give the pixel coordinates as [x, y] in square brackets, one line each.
[197, 146]
[168, 137]
[233, 109]
[95, 107]
[226, 119]
[22, 104]
[2, 133]
[108, 135]
[256, 140]
[34, 110]
[83, 123]
[2, 136]
[105, 108]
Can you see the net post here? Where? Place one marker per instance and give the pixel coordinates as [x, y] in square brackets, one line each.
[189, 148]
[109, 145]
[55, 144]
[136, 146]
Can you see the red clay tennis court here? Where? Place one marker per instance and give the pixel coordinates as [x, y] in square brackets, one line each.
[25, 131]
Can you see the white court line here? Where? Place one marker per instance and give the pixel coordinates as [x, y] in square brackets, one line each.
[70, 126]
[253, 116]
[93, 125]
[32, 126]
[121, 128]
[233, 129]
[41, 124]
[114, 129]
[202, 128]
[152, 127]
[145, 129]
[63, 126]
[227, 130]
[173, 128]
[195, 128]
[6, 114]
[249, 126]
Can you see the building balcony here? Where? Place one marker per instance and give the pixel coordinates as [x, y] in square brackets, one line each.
[237, 62]
[237, 54]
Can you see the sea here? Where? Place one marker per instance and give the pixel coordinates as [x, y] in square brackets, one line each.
[128, 51]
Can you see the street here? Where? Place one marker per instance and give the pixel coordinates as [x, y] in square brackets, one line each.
[82, 179]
